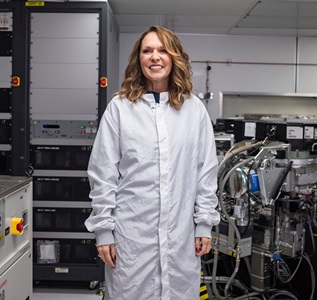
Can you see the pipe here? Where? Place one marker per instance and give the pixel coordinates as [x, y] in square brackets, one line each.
[234, 152]
[214, 269]
[312, 272]
[232, 223]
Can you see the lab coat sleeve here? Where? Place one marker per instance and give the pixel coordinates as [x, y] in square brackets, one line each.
[206, 215]
[103, 178]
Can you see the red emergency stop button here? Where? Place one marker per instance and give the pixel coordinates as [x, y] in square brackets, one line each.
[17, 226]
[15, 81]
[103, 82]
[20, 226]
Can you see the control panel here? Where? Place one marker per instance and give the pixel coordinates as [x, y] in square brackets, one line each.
[63, 129]
[15, 208]
[15, 237]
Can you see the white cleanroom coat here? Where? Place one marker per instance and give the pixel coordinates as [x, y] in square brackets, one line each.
[153, 176]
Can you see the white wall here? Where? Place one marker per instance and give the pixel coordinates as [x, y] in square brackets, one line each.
[266, 64]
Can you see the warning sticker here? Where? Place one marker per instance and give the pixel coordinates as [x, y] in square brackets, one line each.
[35, 3]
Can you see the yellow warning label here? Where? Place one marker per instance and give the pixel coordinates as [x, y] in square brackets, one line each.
[231, 253]
[203, 292]
[203, 295]
[35, 3]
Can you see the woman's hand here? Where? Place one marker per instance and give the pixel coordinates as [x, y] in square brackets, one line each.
[202, 245]
[107, 253]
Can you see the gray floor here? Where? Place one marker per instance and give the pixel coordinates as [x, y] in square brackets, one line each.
[40, 293]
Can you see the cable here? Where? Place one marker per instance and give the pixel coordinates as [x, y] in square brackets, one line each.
[286, 270]
[311, 238]
[312, 272]
[283, 293]
[281, 179]
[248, 197]
[232, 223]
[214, 269]
[232, 153]
[248, 296]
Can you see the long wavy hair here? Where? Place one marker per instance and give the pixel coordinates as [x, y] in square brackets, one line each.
[180, 86]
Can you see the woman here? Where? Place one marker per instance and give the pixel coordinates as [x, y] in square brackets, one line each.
[153, 173]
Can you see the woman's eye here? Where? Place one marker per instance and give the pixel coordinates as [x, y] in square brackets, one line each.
[145, 51]
[163, 51]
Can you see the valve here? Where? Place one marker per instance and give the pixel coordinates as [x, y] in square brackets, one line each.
[276, 256]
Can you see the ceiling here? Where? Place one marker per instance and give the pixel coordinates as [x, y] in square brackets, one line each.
[244, 17]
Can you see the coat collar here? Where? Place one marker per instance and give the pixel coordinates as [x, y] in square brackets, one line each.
[149, 97]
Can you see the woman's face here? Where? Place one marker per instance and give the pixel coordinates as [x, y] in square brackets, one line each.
[156, 63]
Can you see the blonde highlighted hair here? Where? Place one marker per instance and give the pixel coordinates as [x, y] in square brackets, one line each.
[134, 85]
